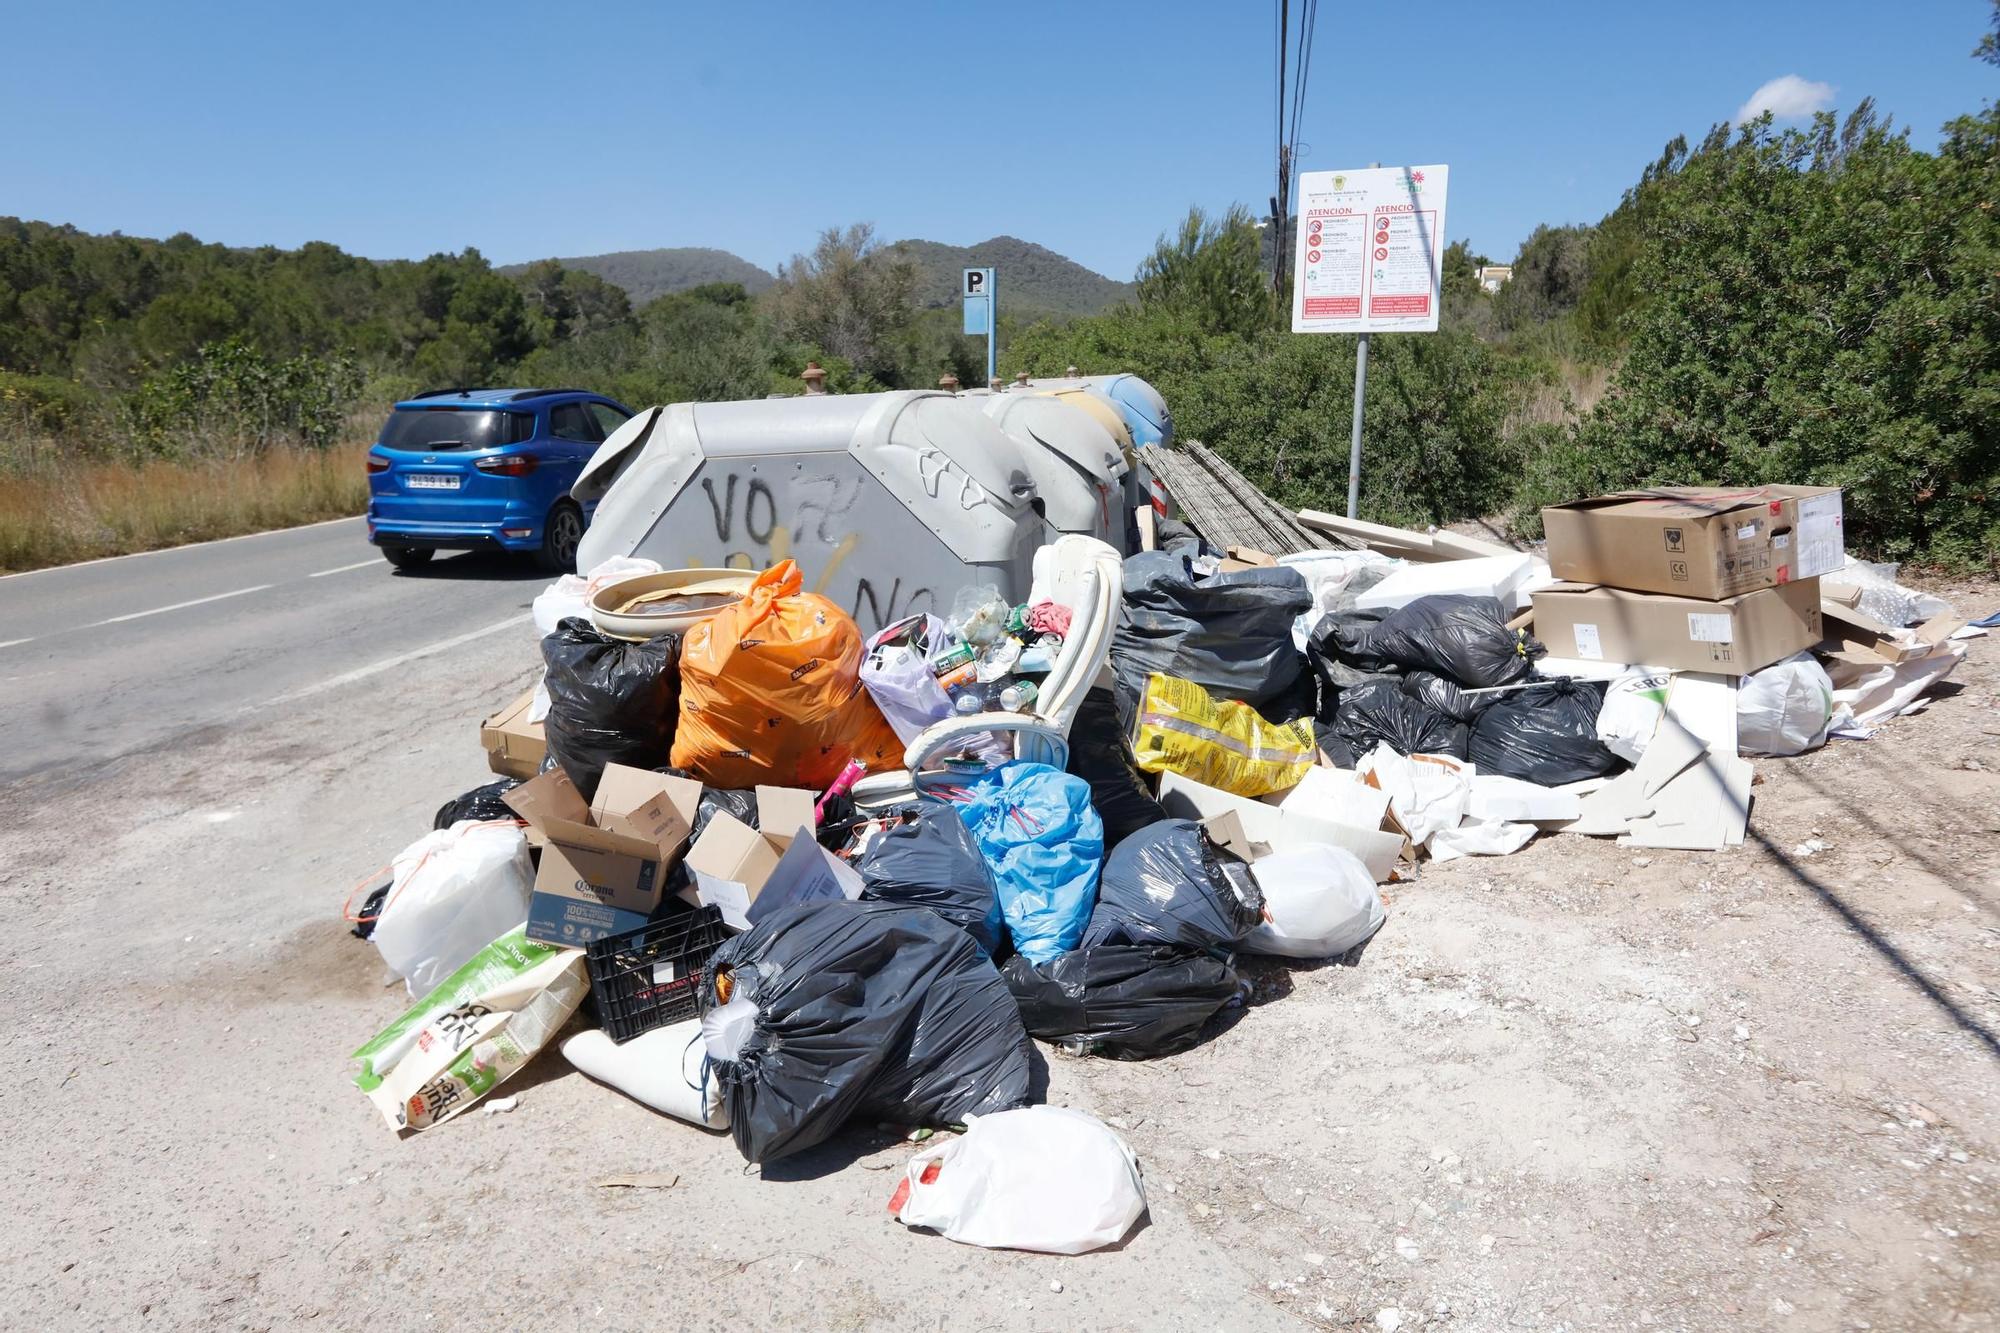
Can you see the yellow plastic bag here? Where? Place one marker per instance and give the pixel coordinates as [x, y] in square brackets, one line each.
[1224, 744]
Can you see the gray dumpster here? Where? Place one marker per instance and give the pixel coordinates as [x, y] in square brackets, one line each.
[1079, 467]
[890, 502]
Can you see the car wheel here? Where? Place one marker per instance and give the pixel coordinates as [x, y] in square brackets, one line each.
[560, 537]
[408, 557]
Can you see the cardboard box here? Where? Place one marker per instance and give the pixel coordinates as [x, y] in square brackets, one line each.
[750, 873]
[606, 863]
[515, 747]
[1732, 637]
[1706, 542]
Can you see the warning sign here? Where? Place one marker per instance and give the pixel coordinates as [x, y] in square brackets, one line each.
[1370, 250]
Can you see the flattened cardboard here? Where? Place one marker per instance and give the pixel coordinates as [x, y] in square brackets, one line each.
[1731, 637]
[1703, 542]
[515, 747]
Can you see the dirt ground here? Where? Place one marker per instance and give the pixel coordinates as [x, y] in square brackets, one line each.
[1582, 1087]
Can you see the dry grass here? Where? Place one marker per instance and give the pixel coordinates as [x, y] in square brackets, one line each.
[55, 514]
[1577, 390]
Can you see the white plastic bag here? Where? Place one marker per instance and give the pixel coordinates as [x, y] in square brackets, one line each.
[1480, 837]
[662, 1068]
[1427, 792]
[1319, 901]
[1873, 695]
[1885, 599]
[1785, 708]
[1041, 1178]
[898, 678]
[570, 595]
[454, 891]
[1327, 575]
[1634, 703]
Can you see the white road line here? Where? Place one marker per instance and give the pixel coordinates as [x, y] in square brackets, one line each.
[185, 546]
[179, 606]
[9, 643]
[358, 564]
[391, 663]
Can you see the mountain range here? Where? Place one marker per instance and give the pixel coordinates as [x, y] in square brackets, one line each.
[1033, 279]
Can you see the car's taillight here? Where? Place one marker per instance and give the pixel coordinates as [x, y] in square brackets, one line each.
[506, 465]
[377, 463]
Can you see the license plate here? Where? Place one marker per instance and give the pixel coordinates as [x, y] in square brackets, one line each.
[430, 481]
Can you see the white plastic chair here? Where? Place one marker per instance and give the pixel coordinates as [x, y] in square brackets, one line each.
[1075, 571]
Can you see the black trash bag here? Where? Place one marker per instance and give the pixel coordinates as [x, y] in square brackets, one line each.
[738, 805]
[481, 803]
[1124, 1001]
[1334, 745]
[610, 702]
[1545, 733]
[932, 860]
[1100, 753]
[1169, 884]
[1464, 639]
[371, 909]
[1442, 696]
[864, 1010]
[1231, 634]
[1378, 710]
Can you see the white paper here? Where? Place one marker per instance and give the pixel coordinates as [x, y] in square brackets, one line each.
[732, 896]
[1587, 646]
[1705, 628]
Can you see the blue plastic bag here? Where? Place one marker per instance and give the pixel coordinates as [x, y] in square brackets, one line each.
[1045, 845]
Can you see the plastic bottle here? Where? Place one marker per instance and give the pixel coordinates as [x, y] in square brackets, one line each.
[969, 704]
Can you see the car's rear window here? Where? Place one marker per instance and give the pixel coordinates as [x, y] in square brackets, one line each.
[440, 428]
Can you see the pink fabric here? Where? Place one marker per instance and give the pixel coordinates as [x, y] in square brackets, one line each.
[1049, 618]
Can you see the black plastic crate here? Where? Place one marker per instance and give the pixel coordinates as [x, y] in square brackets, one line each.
[629, 973]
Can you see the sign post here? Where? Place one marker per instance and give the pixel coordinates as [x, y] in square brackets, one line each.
[1370, 260]
[981, 293]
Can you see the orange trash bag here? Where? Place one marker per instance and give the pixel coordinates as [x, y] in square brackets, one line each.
[771, 692]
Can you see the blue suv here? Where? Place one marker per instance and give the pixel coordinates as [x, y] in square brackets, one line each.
[472, 469]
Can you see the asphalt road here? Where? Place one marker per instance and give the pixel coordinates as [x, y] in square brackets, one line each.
[106, 659]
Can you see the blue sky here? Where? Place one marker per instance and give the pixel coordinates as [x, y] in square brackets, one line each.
[396, 131]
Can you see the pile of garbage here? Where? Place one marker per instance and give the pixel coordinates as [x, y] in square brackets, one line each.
[772, 876]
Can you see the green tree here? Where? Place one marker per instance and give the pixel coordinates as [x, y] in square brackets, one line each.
[849, 299]
[1550, 275]
[1822, 306]
[1208, 272]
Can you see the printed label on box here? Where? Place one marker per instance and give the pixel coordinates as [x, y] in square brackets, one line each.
[1711, 628]
[1587, 645]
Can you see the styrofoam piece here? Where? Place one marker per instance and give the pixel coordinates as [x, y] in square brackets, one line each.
[1497, 797]
[1184, 798]
[1488, 576]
